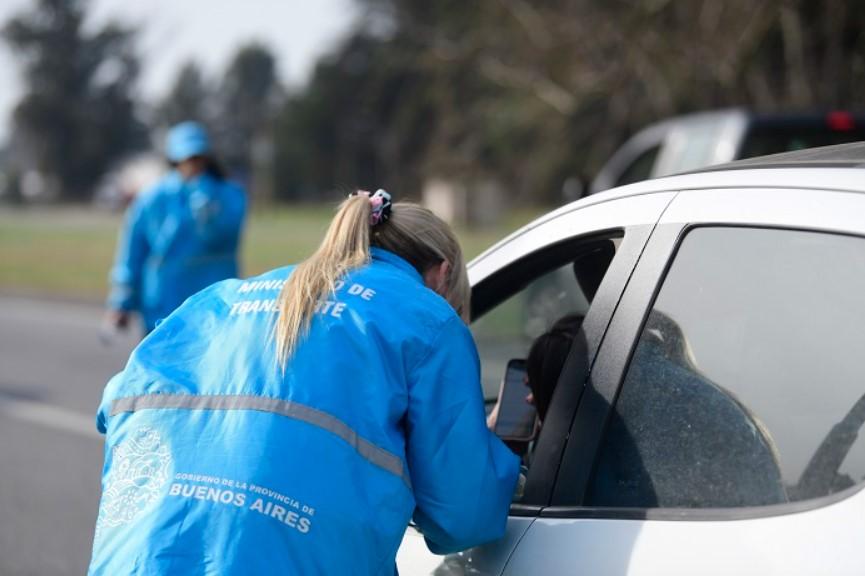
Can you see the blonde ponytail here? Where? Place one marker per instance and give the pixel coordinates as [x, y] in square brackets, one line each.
[412, 232]
[345, 246]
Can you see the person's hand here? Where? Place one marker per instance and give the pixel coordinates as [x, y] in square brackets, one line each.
[493, 416]
[117, 319]
[113, 321]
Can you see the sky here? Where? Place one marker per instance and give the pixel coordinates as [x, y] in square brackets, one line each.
[208, 31]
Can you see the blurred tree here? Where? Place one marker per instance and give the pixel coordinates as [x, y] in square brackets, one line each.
[360, 122]
[78, 114]
[528, 93]
[246, 104]
[188, 99]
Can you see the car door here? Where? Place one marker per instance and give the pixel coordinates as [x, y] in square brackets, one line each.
[574, 261]
[719, 430]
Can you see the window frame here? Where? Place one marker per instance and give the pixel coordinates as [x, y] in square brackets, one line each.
[686, 212]
[570, 230]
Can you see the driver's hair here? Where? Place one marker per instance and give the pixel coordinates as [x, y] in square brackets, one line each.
[547, 357]
[412, 232]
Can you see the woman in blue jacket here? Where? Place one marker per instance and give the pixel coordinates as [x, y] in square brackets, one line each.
[179, 236]
[295, 422]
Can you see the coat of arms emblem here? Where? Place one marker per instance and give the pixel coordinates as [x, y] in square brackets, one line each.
[140, 469]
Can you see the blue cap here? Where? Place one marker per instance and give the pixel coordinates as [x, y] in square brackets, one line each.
[186, 140]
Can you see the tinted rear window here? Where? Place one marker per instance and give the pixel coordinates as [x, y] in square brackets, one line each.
[774, 139]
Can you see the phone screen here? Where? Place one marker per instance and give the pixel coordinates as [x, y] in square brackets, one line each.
[516, 419]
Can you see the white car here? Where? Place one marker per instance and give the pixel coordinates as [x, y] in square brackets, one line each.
[707, 418]
[693, 141]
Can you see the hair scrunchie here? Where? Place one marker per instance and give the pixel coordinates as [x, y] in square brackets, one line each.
[380, 202]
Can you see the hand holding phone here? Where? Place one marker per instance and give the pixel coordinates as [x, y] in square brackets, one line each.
[517, 417]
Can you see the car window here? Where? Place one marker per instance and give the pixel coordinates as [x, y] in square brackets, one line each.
[747, 385]
[508, 330]
[640, 168]
[564, 285]
[692, 145]
[773, 138]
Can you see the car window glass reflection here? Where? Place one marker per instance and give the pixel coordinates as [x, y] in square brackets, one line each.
[747, 385]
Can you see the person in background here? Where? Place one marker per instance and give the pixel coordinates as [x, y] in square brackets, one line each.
[294, 423]
[179, 236]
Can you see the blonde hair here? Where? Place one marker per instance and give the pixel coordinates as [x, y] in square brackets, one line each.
[412, 232]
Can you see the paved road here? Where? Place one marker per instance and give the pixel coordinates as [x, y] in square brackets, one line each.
[52, 371]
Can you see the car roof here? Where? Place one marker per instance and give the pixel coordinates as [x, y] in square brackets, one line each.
[828, 167]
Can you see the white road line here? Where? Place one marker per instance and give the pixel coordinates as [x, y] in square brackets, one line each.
[50, 416]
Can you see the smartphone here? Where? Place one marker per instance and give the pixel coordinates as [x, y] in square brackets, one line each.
[517, 419]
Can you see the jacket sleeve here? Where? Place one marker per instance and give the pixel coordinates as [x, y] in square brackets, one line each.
[462, 475]
[132, 251]
[108, 395]
[218, 208]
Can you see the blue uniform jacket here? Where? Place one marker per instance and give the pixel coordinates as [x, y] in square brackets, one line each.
[217, 462]
[178, 238]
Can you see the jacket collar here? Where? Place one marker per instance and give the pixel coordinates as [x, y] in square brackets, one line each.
[382, 255]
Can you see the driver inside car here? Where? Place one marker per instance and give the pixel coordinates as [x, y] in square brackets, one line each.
[544, 364]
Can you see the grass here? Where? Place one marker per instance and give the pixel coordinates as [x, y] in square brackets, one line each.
[66, 252]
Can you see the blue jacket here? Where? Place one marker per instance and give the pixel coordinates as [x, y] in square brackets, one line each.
[217, 462]
[178, 238]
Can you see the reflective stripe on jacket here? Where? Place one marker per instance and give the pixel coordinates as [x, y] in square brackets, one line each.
[217, 462]
[178, 237]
